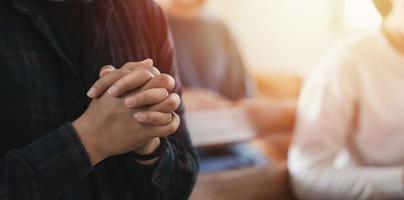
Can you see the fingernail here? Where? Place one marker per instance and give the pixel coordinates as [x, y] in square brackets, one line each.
[140, 116]
[91, 92]
[113, 90]
[155, 71]
[130, 102]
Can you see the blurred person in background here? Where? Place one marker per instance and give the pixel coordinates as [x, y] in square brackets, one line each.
[212, 70]
[349, 141]
[210, 64]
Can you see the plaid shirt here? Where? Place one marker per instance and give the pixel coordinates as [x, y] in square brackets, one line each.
[41, 91]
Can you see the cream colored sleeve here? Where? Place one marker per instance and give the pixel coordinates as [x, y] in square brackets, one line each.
[323, 125]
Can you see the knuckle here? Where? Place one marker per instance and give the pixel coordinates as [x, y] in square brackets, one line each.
[147, 68]
[120, 83]
[158, 93]
[152, 70]
[96, 85]
[172, 103]
[148, 117]
[145, 73]
[169, 117]
[147, 96]
[177, 97]
[115, 77]
[172, 128]
[167, 80]
[120, 73]
[141, 71]
[125, 72]
[163, 92]
[149, 75]
[125, 78]
[162, 119]
[128, 65]
[139, 97]
[100, 83]
[175, 124]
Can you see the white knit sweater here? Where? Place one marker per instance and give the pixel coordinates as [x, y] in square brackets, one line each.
[349, 139]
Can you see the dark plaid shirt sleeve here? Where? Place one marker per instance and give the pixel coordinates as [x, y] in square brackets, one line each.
[175, 173]
[45, 168]
[56, 166]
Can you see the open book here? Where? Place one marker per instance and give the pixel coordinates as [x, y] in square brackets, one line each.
[218, 127]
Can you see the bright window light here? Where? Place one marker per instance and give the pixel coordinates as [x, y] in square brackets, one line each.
[360, 14]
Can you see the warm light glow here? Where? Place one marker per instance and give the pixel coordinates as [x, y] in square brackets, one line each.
[292, 35]
[361, 14]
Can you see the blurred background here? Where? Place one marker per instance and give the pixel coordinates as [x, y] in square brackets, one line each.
[244, 142]
[291, 35]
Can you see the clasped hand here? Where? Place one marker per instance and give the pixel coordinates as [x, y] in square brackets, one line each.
[131, 108]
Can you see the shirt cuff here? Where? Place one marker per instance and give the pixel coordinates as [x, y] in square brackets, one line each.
[160, 172]
[60, 159]
[164, 170]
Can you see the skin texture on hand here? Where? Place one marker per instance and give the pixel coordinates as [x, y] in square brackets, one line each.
[157, 115]
[109, 128]
[137, 111]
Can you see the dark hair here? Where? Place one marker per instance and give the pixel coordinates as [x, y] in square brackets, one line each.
[383, 6]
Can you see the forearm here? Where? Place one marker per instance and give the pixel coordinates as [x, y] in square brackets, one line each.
[45, 168]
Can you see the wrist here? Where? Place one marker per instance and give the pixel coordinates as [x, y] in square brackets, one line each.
[148, 148]
[82, 129]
